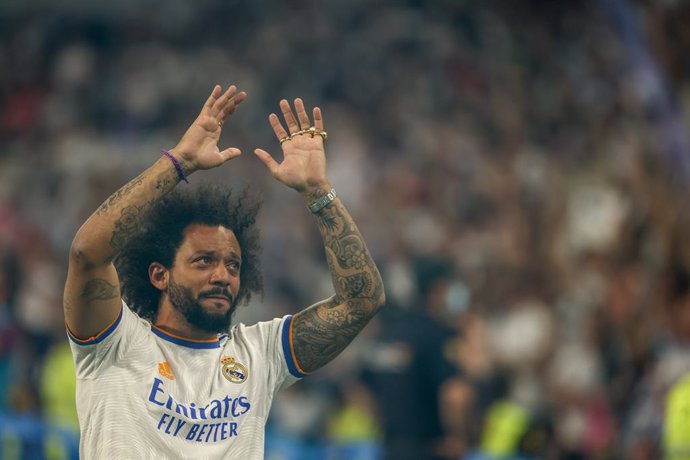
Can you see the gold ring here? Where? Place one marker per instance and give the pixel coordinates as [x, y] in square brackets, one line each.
[286, 138]
[311, 131]
[220, 123]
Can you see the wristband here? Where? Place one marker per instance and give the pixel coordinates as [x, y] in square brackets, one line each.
[322, 202]
[178, 166]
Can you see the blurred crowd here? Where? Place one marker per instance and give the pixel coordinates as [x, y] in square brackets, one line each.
[519, 169]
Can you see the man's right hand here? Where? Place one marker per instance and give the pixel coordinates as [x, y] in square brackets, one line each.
[198, 148]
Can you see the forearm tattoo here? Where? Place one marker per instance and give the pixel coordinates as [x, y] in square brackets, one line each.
[130, 215]
[114, 199]
[323, 330]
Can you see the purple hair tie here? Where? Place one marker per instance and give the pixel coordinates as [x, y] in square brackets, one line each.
[178, 166]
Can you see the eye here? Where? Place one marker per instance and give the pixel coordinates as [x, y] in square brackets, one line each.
[234, 265]
[204, 260]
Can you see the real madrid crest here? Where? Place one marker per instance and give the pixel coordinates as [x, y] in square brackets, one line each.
[233, 371]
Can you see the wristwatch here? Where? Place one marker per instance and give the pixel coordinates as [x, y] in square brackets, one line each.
[322, 202]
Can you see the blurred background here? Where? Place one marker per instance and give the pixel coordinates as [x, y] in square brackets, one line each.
[519, 169]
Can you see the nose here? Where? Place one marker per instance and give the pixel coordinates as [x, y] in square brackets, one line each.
[220, 276]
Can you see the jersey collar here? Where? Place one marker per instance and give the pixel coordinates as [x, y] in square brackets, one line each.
[185, 342]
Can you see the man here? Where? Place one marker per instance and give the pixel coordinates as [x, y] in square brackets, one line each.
[184, 384]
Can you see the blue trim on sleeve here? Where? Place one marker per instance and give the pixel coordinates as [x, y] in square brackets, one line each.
[287, 349]
[100, 336]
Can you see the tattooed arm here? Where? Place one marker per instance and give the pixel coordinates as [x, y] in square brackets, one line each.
[92, 291]
[323, 330]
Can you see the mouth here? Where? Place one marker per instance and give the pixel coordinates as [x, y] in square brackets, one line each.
[219, 298]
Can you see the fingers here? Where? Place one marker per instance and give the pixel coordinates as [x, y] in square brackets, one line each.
[212, 98]
[304, 122]
[231, 105]
[268, 160]
[230, 153]
[292, 125]
[277, 127]
[220, 106]
[223, 101]
[318, 119]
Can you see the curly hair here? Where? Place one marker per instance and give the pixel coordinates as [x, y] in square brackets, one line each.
[161, 232]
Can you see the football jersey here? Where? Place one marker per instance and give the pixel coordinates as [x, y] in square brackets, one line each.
[143, 393]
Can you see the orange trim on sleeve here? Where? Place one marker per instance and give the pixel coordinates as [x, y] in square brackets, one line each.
[92, 338]
[292, 350]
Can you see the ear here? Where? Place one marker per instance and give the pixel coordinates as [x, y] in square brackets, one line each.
[158, 276]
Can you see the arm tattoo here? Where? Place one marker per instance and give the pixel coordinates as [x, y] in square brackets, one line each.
[132, 208]
[98, 289]
[323, 330]
[116, 197]
[164, 184]
[127, 224]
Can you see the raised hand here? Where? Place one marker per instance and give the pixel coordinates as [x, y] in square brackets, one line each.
[304, 160]
[198, 148]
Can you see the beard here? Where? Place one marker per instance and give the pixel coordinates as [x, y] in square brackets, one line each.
[184, 301]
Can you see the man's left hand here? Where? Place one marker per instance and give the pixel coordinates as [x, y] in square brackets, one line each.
[304, 160]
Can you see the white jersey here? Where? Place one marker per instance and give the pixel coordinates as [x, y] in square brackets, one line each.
[143, 393]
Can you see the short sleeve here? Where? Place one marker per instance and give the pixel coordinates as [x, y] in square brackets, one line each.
[274, 339]
[106, 348]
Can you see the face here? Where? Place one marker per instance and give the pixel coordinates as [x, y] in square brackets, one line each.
[205, 279]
